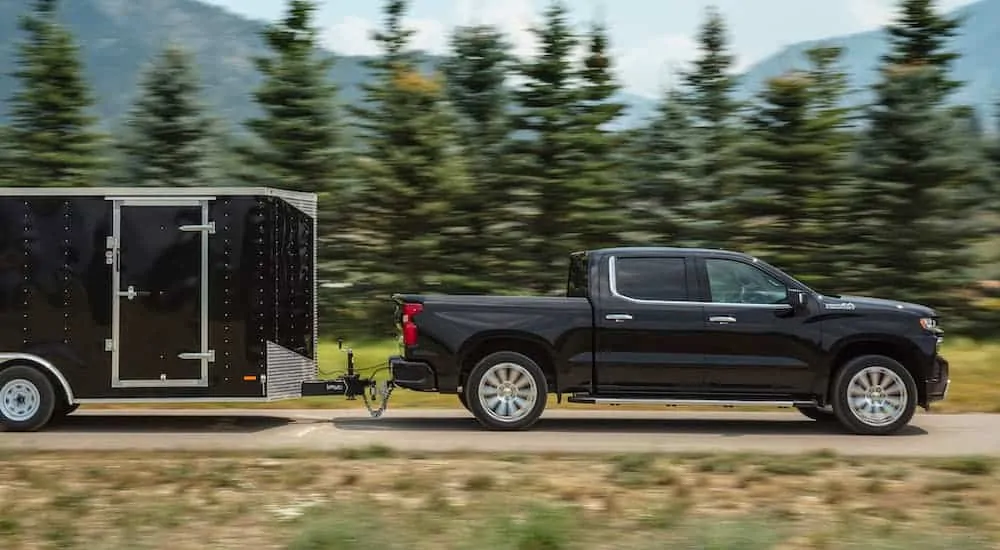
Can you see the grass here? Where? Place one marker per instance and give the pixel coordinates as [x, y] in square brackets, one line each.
[975, 375]
[366, 498]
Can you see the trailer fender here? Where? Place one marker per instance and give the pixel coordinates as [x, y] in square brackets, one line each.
[8, 359]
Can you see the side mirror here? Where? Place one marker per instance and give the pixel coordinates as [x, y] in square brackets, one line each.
[799, 299]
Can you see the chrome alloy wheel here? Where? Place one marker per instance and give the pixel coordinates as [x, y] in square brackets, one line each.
[507, 392]
[877, 396]
[19, 400]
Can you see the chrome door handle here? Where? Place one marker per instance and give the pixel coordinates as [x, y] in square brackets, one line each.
[721, 319]
[618, 317]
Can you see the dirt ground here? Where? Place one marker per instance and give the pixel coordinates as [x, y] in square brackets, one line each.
[372, 498]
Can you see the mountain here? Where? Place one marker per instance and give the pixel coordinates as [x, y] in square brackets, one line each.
[119, 37]
[978, 42]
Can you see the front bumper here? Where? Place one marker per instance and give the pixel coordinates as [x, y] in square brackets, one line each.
[412, 375]
[938, 383]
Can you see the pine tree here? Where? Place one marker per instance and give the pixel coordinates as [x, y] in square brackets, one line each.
[920, 35]
[714, 113]
[412, 174]
[827, 231]
[475, 82]
[547, 161]
[7, 177]
[53, 136]
[298, 138]
[297, 143]
[910, 227]
[661, 174]
[168, 134]
[595, 211]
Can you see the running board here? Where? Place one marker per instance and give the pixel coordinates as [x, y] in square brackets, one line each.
[675, 401]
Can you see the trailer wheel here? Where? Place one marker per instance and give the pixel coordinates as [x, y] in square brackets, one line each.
[874, 395]
[506, 391]
[27, 399]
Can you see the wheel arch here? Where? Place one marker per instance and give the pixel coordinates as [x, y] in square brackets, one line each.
[906, 353]
[46, 367]
[524, 343]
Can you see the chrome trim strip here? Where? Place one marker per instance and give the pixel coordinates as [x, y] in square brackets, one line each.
[612, 282]
[577, 398]
[27, 357]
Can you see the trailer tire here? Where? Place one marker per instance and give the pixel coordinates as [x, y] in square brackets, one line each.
[27, 399]
[506, 372]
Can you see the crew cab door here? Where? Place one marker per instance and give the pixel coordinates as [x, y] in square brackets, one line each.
[646, 321]
[754, 342]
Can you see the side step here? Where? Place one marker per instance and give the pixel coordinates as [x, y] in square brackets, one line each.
[678, 401]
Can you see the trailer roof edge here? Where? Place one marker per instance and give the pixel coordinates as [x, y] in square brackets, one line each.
[156, 191]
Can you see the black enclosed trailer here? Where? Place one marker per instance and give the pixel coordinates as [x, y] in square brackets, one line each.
[123, 294]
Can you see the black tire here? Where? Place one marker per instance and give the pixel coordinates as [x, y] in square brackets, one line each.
[463, 400]
[20, 383]
[522, 365]
[896, 372]
[63, 410]
[817, 414]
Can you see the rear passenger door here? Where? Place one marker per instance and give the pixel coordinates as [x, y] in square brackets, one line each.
[646, 321]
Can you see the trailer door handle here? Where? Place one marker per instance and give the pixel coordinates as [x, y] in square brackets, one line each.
[618, 317]
[722, 319]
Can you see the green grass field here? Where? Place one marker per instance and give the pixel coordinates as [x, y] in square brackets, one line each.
[371, 498]
[975, 377]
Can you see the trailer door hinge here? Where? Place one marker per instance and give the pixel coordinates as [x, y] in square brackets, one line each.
[109, 344]
[208, 227]
[210, 356]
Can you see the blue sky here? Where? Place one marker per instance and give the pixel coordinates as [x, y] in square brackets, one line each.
[648, 37]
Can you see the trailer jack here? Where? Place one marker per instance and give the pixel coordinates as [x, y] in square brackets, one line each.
[374, 394]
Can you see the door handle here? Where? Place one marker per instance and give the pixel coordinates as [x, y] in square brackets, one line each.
[721, 319]
[619, 317]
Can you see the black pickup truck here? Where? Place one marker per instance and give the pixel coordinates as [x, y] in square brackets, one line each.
[675, 326]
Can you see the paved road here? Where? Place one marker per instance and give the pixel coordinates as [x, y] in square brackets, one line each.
[558, 431]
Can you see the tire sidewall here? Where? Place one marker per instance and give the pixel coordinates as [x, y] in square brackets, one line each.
[471, 390]
[47, 398]
[842, 408]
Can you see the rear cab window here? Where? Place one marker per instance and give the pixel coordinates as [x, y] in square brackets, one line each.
[658, 279]
[578, 285]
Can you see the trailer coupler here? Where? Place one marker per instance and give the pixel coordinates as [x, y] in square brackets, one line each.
[374, 394]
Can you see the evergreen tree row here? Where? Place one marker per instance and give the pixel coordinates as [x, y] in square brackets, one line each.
[484, 175]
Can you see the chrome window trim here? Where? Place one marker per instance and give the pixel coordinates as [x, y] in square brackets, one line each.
[613, 285]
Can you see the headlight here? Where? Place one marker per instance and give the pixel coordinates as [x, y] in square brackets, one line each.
[929, 323]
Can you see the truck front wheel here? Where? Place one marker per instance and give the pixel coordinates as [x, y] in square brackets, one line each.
[506, 391]
[874, 395]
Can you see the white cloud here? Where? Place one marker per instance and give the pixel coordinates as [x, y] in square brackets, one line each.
[512, 17]
[352, 35]
[871, 14]
[647, 68]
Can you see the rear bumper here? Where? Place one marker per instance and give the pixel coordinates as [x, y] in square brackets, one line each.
[939, 381]
[412, 375]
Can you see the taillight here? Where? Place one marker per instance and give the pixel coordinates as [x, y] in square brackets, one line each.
[409, 326]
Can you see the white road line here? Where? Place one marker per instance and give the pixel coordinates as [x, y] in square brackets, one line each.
[306, 431]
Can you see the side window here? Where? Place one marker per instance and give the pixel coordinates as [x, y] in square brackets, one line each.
[651, 279]
[733, 282]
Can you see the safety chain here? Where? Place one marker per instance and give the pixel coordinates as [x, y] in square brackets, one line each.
[377, 391]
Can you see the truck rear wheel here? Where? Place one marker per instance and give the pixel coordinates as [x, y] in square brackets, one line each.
[874, 395]
[506, 391]
[27, 399]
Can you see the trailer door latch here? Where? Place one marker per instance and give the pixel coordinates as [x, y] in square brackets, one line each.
[210, 355]
[208, 227]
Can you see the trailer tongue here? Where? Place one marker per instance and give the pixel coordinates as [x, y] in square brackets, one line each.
[375, 394]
